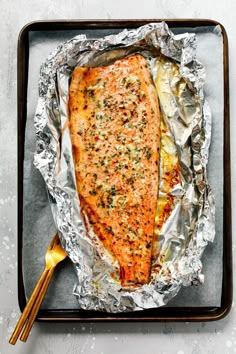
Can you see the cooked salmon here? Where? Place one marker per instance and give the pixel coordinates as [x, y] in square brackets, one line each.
[114, 127]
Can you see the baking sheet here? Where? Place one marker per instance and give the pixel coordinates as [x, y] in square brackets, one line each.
[38, 226]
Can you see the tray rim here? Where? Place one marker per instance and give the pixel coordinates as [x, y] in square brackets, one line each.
[189, 314]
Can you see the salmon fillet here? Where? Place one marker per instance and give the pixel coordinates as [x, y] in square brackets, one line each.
[114, 127]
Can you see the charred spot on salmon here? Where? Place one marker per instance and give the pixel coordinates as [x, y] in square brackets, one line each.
[93, 192]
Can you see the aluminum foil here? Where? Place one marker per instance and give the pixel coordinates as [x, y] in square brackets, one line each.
[185, 212]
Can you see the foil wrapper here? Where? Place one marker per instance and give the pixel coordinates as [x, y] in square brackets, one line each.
[185, 212]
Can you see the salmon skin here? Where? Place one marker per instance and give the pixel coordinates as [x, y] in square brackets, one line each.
[114, 127]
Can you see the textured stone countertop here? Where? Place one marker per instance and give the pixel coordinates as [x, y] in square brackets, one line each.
[101, 338]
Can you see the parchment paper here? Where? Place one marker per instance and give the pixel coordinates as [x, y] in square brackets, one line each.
[38, 225]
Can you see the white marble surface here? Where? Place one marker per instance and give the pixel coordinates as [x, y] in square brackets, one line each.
[46, 338]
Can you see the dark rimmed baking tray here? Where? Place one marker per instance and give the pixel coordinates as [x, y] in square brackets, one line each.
[157, 314]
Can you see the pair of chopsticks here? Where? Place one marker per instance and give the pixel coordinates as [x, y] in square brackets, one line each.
[55, 254]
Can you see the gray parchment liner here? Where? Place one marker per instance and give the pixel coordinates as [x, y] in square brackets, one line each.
[56, 165]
